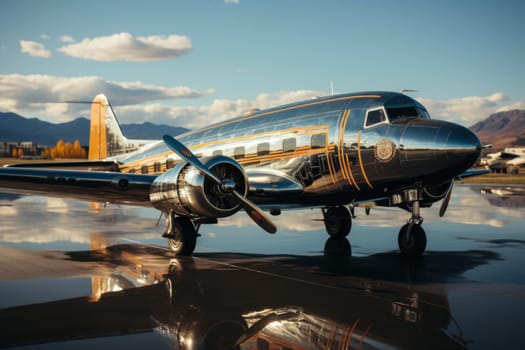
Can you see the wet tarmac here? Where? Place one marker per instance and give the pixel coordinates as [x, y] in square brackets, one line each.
[80, 275]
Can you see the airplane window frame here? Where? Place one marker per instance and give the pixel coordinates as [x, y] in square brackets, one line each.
[368, 111]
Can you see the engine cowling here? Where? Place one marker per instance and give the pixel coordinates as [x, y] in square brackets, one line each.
[435, 193]
[187, 192]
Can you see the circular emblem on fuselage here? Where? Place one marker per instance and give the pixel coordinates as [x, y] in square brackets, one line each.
[385, 150]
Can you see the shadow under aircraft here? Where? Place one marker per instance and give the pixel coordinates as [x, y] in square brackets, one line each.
[220, 301]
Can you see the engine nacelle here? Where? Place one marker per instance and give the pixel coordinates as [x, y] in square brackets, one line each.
[187, 192]
[435, 193]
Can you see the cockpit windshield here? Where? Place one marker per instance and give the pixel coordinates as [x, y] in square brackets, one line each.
[400, 114]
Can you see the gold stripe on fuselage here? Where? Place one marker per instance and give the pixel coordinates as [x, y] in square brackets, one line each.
[340, 144]
[344, 162]
[361, 160]
[160, 159]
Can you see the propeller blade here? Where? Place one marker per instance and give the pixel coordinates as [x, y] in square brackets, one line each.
[446, 200]
[251, 209]
[255, 213]
[189, 157]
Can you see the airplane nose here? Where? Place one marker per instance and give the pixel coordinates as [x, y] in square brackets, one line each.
[438, 149]
[462, 146]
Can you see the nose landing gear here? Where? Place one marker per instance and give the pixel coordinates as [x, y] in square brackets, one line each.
[412, 239]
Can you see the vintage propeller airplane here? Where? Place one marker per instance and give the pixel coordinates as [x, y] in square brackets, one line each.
[333, 152]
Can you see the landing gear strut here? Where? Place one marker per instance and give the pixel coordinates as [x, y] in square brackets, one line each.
[412, 239]
[181, 234]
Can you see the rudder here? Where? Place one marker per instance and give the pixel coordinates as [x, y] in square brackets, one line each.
[105, 136]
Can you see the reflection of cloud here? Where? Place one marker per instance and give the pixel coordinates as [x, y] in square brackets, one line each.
[465, 208]
[8, 210]
[295, 220]
[56, 205]
[37, 219]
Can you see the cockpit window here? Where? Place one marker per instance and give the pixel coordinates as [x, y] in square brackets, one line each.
[400, 114]
[375, 116]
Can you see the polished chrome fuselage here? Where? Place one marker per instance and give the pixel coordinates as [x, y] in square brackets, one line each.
[333, 147]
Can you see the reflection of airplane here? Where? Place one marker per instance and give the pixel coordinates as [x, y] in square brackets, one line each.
[501, 196]
[190, 304]
[328, 152]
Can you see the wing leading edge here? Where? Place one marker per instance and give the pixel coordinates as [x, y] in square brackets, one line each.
[85, 185]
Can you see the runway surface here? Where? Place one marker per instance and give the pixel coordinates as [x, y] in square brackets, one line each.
[80, 275]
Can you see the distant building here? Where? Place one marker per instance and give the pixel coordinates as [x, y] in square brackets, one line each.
[29, 148]
[6, 148]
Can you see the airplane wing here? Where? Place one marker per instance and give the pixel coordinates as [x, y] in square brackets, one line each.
[99, 186]
[472, 172]
[116, 187]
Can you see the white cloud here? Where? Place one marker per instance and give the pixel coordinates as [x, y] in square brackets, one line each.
[34, 49]
[126, 47]
[67, 39]
[232, 1]
[33, 95]
[45, 36]
[469, 110]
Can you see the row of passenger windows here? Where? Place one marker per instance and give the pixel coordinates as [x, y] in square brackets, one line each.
[288, 145]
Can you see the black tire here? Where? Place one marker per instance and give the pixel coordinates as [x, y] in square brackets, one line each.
[183, 238]
[416, 243]
[337, 221]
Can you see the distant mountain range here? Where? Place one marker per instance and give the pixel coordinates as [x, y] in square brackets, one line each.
[502, 129]
[16, 128]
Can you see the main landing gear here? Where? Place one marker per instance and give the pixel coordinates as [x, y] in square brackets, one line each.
[181, 233]
[412, 239]
[337, 221]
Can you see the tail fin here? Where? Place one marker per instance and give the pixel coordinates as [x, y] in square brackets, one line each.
[105, 136]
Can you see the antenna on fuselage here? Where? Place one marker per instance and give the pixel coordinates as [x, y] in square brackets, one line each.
[332, 87]
[407, 90]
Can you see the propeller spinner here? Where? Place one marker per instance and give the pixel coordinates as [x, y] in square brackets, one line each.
[226, 185]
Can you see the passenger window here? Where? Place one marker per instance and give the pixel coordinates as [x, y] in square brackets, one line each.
[170, 163]
[318, 141]
[289, 145]
[263, 149]
[145, 169]
[156, 167]
[374, 117]
[217, 152]
[238, 152]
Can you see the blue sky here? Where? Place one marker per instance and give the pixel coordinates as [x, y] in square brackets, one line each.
[190, 63]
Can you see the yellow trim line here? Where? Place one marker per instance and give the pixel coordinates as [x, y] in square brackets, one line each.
[361, 160]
